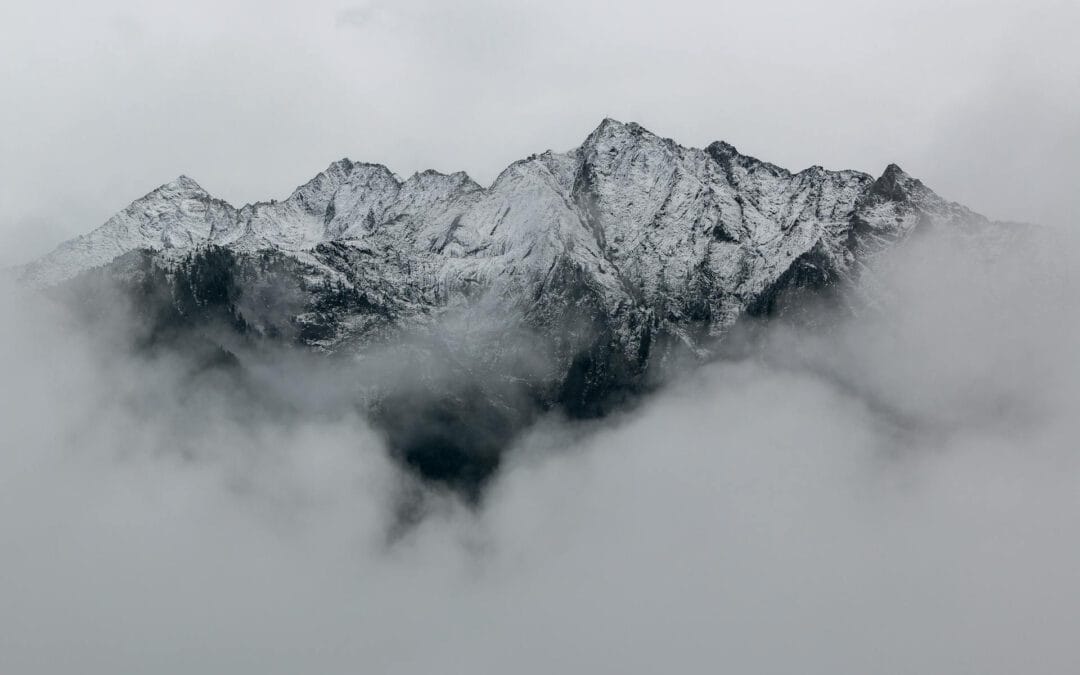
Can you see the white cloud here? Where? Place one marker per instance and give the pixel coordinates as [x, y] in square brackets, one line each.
[895, 495]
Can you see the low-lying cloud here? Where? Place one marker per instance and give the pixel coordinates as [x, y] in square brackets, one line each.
[891, 493]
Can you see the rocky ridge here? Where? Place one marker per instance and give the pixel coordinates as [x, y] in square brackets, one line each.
[572, 277]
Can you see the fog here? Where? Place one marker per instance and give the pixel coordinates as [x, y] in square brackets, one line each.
[894, 492]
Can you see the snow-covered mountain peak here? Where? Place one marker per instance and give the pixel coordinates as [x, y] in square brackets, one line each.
[612, 135]
[177, 215]
[183, 186]
[728, 157]
[608, 126]
[625, 197]
[896, 185]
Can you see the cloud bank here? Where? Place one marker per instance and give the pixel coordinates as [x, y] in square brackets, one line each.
[891, 493]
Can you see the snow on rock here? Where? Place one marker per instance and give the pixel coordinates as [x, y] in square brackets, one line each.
[177, 215]
[648, 229]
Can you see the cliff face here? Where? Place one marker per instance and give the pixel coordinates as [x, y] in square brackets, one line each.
[566, 283]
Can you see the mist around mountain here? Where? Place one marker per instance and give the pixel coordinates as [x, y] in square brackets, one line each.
[887, 491]
[452, 317]
[636, 408]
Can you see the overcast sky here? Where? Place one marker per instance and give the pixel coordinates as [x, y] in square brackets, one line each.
[106, 100]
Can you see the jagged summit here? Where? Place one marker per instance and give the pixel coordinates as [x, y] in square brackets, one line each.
[183, 182]
[181, 187]
[722, 149]
[897, 185]
[611, 128]
[625, 191]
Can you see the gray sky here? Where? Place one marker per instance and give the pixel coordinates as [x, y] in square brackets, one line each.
[106, 100]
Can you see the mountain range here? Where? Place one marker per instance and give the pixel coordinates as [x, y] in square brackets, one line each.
[572, 283]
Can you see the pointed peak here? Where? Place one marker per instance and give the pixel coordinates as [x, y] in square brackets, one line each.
[613, 128]
[893, 170]
[181, 185]
[184, 182]
[608, 123]
[896, 185]
[359, 175]
[344, 165]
